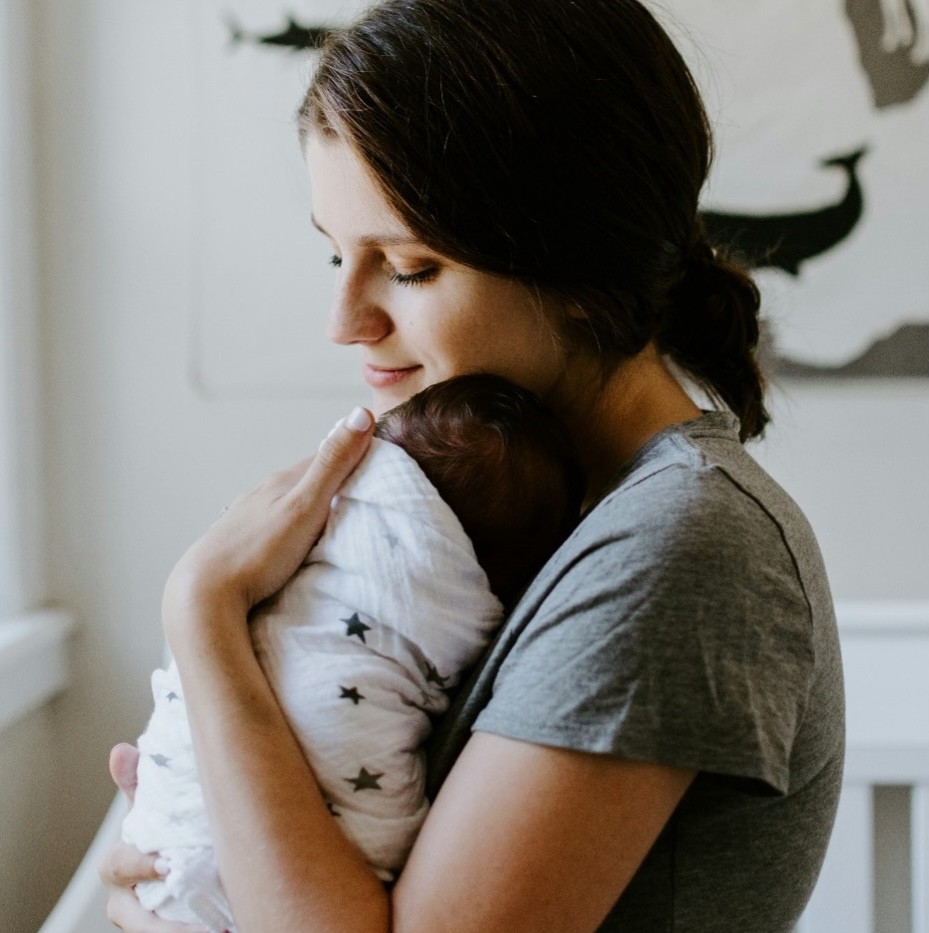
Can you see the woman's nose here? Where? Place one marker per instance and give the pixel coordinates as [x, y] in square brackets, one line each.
[355, 315]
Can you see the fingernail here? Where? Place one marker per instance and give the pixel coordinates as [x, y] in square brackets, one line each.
[359, 420]
[162, 866]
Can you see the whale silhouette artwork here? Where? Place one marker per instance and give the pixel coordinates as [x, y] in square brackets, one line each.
[295, 36]
[784, 241]
[901, 354]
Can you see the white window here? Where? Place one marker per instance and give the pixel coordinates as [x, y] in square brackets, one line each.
[32, 659]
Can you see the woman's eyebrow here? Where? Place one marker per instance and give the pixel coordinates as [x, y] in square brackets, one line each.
[375, 239]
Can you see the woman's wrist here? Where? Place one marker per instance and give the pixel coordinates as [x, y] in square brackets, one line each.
[195, 609]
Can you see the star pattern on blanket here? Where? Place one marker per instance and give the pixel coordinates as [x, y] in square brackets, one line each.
[354, 626]
[434, 677]
[160, 760]
[172, 696]
[366, 780]
[351, 693]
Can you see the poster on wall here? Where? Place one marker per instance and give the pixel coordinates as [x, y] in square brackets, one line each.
[821, 179]
[820, 183]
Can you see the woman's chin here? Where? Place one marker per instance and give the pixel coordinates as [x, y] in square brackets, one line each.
[385, 397]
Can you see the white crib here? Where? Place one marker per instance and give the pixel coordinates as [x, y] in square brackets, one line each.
[876, 875]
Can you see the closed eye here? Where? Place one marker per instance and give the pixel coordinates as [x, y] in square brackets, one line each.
[414, 278]
[399, 278]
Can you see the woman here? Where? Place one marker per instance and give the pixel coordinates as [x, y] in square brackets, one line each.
[655, 740]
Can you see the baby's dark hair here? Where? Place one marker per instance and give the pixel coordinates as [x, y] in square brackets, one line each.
[504, 464]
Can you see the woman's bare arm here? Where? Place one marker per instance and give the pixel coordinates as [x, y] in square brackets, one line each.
[521, 837]
[284, 862]
[526, 837]
[282, 858]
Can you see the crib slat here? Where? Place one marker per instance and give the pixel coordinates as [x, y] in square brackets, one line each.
[919, 856]
[844, 895]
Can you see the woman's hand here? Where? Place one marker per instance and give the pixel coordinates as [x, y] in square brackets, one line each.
[124, 866]
[261, 539]
[247, 555]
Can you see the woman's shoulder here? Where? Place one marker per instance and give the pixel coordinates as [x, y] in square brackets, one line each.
[694, 540]
[695, 563]
[694, 490]
[682, 592]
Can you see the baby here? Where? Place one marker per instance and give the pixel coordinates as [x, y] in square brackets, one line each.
[467, 490]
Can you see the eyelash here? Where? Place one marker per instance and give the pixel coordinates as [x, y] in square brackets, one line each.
[414, 278]
[399, 278]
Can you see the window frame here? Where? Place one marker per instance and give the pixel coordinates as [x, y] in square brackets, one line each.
[33, 655]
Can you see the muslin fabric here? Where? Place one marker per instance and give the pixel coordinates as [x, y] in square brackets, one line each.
[360, 648]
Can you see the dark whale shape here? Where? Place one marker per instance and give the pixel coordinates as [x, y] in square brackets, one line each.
[293, 36]
[784, 241]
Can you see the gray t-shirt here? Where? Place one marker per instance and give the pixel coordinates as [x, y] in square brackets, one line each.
[687, 621]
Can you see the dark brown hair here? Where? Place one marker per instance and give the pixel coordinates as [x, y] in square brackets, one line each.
[564, 144]
[503, 462]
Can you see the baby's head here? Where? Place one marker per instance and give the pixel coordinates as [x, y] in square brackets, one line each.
[504, 464]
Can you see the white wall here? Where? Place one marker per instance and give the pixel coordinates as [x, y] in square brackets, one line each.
[854, 454]
[139, 460]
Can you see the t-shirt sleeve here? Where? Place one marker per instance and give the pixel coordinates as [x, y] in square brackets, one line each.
[678, 634]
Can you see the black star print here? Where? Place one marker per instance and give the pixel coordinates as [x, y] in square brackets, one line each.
[434, 677]
[351, 693]
[366, 780]
[160, 760]
[172, 696]
[355, 626]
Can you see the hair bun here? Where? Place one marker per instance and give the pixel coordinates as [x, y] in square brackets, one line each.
[701, 262]
[712, 327]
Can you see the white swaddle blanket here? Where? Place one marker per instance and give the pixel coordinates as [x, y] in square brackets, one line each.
[359, 647]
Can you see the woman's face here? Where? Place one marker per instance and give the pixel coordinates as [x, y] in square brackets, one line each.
[418, 317]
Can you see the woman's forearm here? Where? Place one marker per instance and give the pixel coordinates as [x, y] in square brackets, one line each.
[284, 862]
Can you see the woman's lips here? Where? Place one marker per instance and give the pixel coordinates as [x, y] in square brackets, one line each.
[380, 377]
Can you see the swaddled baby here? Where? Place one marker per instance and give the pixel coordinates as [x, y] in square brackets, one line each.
[466, 491]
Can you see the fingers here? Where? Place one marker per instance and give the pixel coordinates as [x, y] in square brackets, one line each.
[124, 911]
[124, 865]
[124, 763]
[263, 538]
[338, 455]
